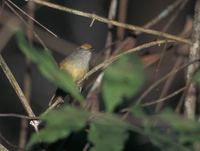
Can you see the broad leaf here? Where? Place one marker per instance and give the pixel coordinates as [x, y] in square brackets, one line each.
[168, 130]
[108, 133]
[59, 124]
[122, 79]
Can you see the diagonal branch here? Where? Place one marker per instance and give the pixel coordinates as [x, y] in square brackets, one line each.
[112, 22]
[16, 87]
[18, 91]
[116, 57]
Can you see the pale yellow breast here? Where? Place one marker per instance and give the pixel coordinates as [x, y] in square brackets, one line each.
[76, 72]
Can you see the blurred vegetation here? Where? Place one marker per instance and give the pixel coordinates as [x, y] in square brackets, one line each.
[108, 131]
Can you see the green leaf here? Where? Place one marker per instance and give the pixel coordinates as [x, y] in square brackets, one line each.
[168, 130]
[187, 130]
[48, 67]
[137, 111]
[197, 77]
[108, 133]
[179, 122]
[60, 124]
[122, 79]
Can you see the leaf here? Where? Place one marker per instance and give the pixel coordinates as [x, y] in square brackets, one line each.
[137, 111]
[179, 123]
[187, 130]
[48, 67]
[122, 79]
[60, 124]
[197, 77]
[167, 129]
[108, 133]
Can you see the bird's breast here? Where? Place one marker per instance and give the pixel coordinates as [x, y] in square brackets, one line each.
[77, 72]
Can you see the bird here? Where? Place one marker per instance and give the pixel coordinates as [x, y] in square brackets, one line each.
[76, 65]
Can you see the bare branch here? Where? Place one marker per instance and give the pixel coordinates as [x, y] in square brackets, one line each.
[164, 98]
[116, 57]
[112, 22]
[17, 89]
[190, 100]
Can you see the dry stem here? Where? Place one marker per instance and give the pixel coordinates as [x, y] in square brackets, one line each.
[191, 98]
[112, 22]
[116, 57]
[17, 89]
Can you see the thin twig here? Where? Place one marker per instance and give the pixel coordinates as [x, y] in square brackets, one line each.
[165, 28]
[116, 57]
[163, 14]
[92, 100]
[123, 4]
[30, 17]
[172, 19]
[51, 107]
[18, 116]
[27, 74]
[17, 89]
[22, 19]
[181, 101]
[153, 86]
[92, 96]
[164, 98]
[86, 147]
[168, 83]
[112, 22]
[181, 49]
[112, 10]
[11, 22]
[8, 143]
[109, 38]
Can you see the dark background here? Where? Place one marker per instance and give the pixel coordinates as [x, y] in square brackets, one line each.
[75, 30]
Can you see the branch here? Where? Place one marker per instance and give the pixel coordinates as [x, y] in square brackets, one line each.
[170, 8]
[27, 81]
[191, 97]
[153, 86]
[31, 18]
[116, 57]
[112, 22]
[16, 87]
[164, 98]
[2, 148]
[18, 116]
[123, 4]
[18, 90]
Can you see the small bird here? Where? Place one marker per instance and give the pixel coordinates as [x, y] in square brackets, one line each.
[76, 65]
